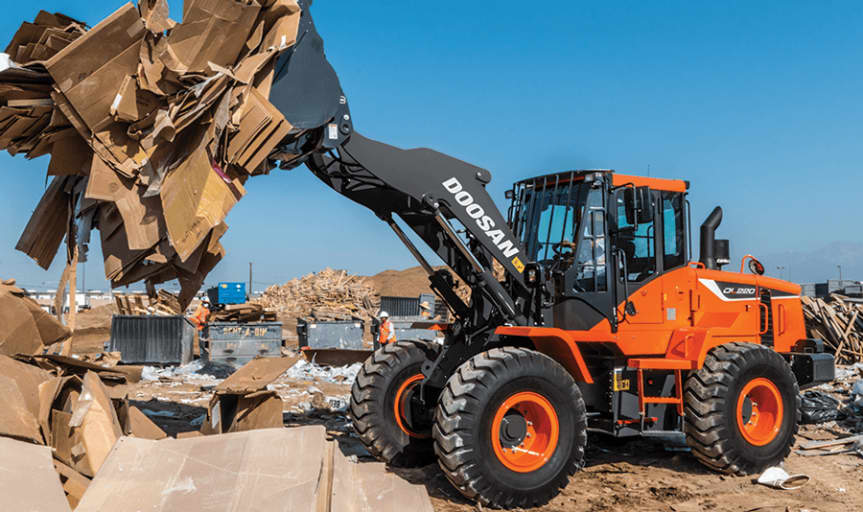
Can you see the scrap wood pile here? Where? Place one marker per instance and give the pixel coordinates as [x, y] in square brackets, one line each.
[243, 313]
[163, 303]
[837, 320]
[325, 295]
[153, 128]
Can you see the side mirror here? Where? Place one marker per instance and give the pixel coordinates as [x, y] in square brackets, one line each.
[756, 267]
[639, 205]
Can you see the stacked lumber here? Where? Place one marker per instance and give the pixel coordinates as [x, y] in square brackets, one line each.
[153, 128]
[243, 313]
[838, 321]
[138, 304]
[326, 295]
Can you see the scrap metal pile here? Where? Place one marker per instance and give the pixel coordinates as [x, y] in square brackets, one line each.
[326, 295]
[153, 128]
[838, 321]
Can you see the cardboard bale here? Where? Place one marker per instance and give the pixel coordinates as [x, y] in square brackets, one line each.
[28, 481]
[271, 470]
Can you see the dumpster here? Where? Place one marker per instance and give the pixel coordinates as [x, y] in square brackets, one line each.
[152, 339]
[346, 335]
[236, 344]
[227, 293]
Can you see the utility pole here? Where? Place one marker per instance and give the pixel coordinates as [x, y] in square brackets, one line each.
[250, 281]
[780, 268]
[840, 271]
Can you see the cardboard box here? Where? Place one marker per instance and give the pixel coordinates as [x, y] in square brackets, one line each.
[82, 421]
[242, 402]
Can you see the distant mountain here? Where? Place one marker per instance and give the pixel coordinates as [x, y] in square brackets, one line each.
[819, 265]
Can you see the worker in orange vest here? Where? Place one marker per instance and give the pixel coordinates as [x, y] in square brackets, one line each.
[202, 314]
[387, 331]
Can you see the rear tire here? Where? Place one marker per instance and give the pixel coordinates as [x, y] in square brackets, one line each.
[382, 389]
[742, 409]
[510, 428]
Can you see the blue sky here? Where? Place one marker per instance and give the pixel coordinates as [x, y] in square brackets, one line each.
[756, 103]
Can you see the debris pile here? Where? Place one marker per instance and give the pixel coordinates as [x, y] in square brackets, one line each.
[325, 295]
[24, 327]
[153, 127]
[837, 320]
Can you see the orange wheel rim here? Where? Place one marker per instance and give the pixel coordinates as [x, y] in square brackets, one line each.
[401, 403]
[759, 411]
[525, 432]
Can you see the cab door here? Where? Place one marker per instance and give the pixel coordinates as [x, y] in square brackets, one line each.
[638, 264]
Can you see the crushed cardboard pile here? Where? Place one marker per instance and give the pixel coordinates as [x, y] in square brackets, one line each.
[243, 313]
[108, 454]
[325, 295]
[153, 128]
[24, 327]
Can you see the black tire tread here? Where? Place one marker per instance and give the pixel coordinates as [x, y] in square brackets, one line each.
[363, 409]
[705, 392]
[453, 438]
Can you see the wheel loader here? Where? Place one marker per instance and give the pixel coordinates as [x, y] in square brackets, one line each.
[588, 313]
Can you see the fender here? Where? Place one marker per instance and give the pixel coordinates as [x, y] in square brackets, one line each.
[559, 345]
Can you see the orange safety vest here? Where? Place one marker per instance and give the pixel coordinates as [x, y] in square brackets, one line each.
[387, 334]
[200, 317]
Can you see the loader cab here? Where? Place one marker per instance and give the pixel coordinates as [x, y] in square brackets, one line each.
[597, 237]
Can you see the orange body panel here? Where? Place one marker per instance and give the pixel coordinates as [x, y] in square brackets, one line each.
[681, 315]
[654, 183]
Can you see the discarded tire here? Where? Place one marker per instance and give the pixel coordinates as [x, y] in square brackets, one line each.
[381, 401]
[510, 428]
[742, 409]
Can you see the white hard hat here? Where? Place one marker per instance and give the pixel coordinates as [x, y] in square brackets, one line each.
[384, 314]
[205, 300]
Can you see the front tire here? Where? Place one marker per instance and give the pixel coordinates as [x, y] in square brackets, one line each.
[510, 428]
[380, 402]
[742, 409]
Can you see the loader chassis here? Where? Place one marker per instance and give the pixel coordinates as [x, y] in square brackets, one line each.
[586, 311]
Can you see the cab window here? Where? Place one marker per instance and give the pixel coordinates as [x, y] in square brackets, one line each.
[673, 254]
[638, 242]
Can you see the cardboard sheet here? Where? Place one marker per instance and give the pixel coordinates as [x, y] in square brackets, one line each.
[369, 487]
[195, 199]
[19, 400]
[256, 375]
[28, 481]
[24, 327]
[274, 470]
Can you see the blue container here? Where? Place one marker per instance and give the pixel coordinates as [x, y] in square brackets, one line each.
[228, 293]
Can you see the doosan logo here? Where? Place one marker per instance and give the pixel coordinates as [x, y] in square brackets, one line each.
[485, 223]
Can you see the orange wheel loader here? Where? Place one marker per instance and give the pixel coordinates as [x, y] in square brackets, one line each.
[588, 313]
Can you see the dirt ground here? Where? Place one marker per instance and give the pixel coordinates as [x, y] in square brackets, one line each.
[639, 474]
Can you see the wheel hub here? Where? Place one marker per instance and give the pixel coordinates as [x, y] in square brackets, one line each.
[759, 411]
[513, 429]
[525, 432]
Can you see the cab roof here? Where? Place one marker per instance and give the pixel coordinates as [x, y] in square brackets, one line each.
[617, 180]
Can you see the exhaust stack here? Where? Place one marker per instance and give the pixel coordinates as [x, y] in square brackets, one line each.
[708, 240]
